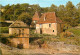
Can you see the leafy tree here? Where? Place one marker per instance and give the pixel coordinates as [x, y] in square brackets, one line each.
[43, 10]
[7, 7]
[61, 12]
[70, 14]
[1, 6]
[25, 17]
[78, 6]
[53, 8]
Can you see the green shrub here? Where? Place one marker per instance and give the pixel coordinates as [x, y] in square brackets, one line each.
[13, 35]
[4, 24]
[75, 31]
[4, 30]
[3, 39]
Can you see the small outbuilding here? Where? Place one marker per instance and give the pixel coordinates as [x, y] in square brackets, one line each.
[21, 30]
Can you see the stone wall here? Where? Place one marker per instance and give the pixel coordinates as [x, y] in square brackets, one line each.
[16, 41]
[60, 28]
[23, 34]
[55, 29]
[17, 30]
[46, 29]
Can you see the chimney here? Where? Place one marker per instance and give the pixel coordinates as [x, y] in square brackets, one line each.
[44, 17]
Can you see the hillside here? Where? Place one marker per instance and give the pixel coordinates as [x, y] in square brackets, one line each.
[49, 44]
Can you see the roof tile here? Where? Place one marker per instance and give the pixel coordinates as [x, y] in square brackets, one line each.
[49, 17]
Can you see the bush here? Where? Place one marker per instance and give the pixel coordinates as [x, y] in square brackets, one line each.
[75, 31]
[4, 30]
[4, 24]
[3, 39]
[13, 35]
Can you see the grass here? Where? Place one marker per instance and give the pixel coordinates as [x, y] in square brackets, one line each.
[75, 40]
[72, 40]
[75, 31]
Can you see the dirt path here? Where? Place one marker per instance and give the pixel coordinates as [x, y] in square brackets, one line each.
[6, 50]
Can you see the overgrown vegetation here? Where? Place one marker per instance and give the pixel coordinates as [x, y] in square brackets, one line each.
[70, 36]
[4, 24]
[76, 31]
[3, 39]
[4, 30]
[13, 35]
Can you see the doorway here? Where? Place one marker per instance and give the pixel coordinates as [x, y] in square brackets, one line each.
[20, 46]
[40, 30]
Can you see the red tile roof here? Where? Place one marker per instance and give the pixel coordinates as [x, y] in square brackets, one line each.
[36, 16]
[49, 17]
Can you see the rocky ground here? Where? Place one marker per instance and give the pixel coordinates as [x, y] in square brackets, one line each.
[54, 48]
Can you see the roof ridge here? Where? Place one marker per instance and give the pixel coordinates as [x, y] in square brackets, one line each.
[50, 17]
[18, 23]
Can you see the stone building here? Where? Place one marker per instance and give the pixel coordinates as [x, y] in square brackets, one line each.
[35, 17]
[21, 30]
[49, 24]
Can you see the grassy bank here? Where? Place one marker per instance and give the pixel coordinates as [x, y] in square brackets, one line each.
[75, 40]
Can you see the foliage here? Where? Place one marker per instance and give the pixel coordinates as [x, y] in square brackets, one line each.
[25, 17]
[68, 13]
[13, 35]
[53, 8]
[76, 31]
[4, 24]
[70, 36]
[4, 30]
[71, 40]
[3, 39]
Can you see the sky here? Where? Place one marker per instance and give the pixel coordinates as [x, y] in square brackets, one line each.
[42, 3]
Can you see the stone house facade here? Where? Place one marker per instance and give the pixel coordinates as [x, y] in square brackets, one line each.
[49, 24]
[21, 31]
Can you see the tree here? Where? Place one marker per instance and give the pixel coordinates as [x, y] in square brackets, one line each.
[61, 12]
[1, 6]
[43, 10]
[78, 10]
[25, 17]
[7, 7]
[70, 9]
[71, 14]
[53, 8]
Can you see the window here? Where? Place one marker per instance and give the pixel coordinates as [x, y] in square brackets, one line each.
[19, 31]
[22, 31]
[49, 25]
[53, 30]
[40, 25]
[44, 19]
[34, 21]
